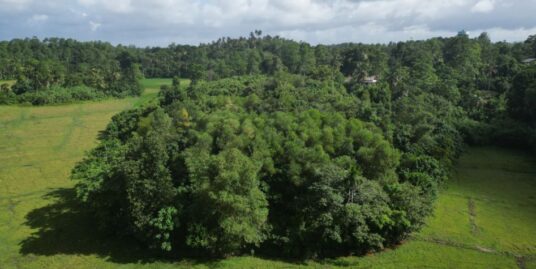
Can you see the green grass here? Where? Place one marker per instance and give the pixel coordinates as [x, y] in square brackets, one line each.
[8, 82]
[485, 217]
[501, 185]
[155, 83]
[152, 87]
[148, 83]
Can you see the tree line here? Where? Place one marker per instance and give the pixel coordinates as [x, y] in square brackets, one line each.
[63, 70]
[42, 64]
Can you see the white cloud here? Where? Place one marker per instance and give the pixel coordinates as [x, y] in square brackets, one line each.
[16, 4]
[368, 33]
[501, 34]
[159, 22]
[38, 18]
[78, 12]
[116, 6]
[483, 6]
[94, 26]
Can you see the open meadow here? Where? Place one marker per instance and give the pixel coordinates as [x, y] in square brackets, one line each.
[485, 217]
[8, 82]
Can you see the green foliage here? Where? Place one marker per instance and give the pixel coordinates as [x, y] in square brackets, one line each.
[522, 97]
[232, 176]
[299, 160]
[60, 67]
[57, 232]
[172, 93]
[58, 95]
[228, 210]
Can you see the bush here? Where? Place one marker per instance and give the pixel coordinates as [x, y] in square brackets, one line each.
[60, 95]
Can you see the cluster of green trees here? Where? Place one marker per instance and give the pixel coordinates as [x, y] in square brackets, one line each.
[477, 65]
[296, 154]
[227, 57]
[473, 87]
[280, 163]
[280, 146]
[64, 70]
[306, 159]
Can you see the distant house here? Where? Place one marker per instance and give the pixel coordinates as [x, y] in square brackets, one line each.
[529, 60]
[370, 79]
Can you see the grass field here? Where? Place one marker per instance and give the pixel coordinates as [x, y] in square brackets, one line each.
[152, 86]
[8, 82]
[155, 83]
[485, 217]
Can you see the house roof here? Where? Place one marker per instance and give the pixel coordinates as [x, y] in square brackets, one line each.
[370, 79]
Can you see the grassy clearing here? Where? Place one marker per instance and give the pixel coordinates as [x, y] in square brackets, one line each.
[155, 83]
[485, 218]
[152, 87]
[501, 184]
[39, 146]
[8, 82]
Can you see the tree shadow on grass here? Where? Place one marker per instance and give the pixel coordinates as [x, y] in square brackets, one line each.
[65, 227]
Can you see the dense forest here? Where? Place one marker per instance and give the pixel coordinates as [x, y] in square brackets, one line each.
[60, 71]
[278, 146]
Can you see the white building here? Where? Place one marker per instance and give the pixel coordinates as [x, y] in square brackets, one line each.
[370, 79]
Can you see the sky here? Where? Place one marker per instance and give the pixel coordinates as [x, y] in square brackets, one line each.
[161, 22]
